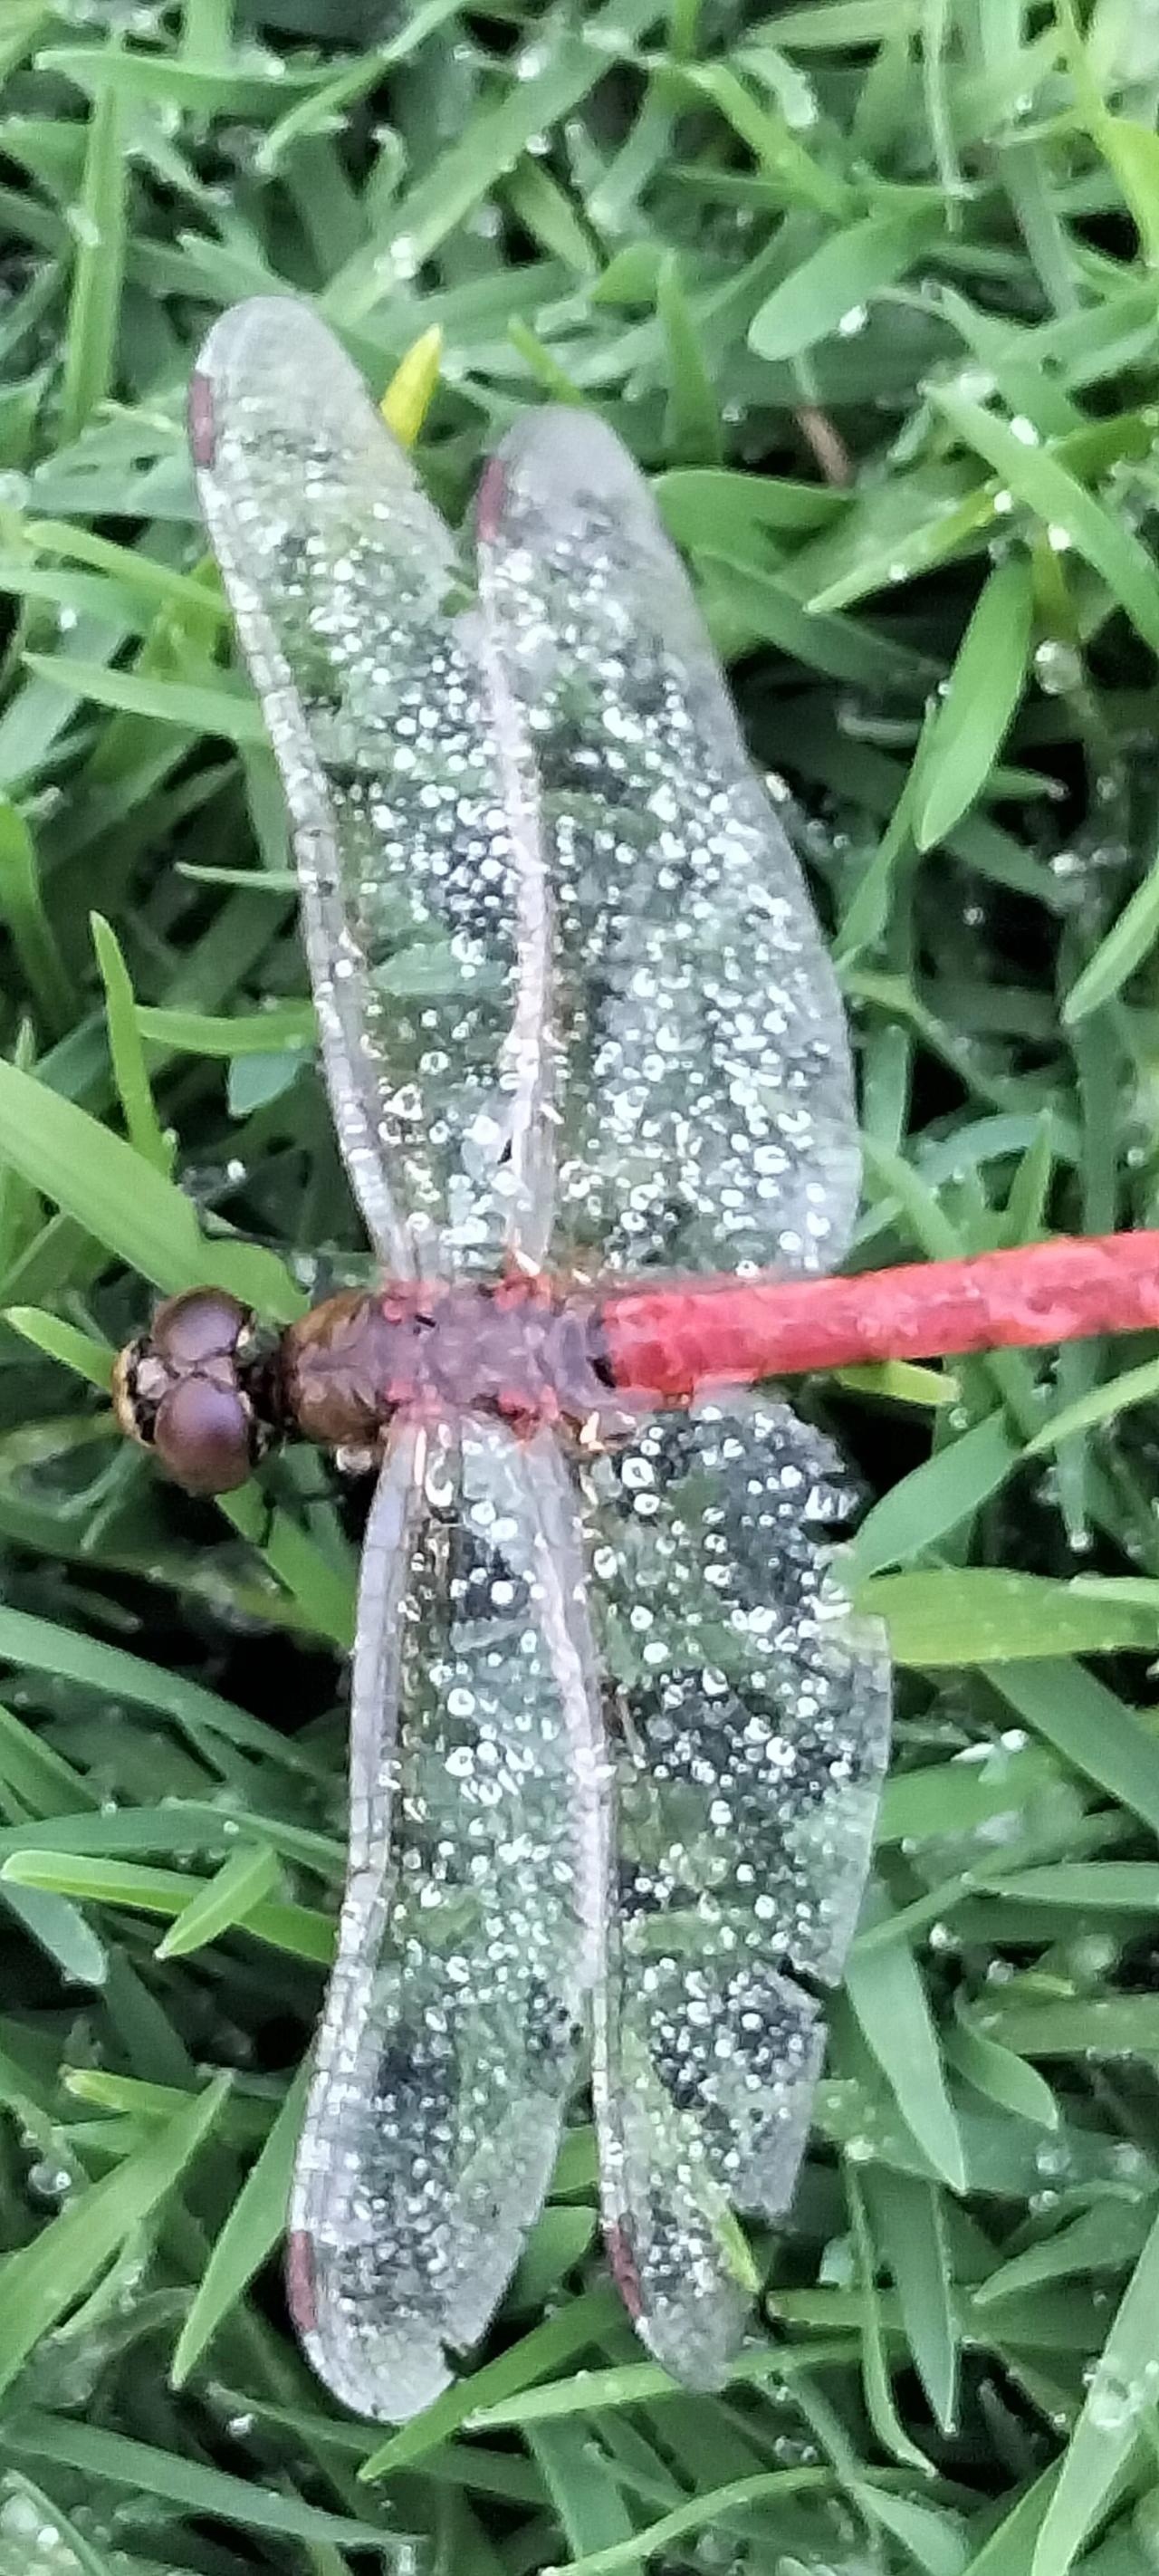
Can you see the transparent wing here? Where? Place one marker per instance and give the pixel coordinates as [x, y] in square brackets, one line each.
[749, 1716]
[706, 1107]
[469, 1931]
[413, 812]
[531, 830]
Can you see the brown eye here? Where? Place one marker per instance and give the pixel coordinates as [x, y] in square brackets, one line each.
[203, 1324]
[203, 1436]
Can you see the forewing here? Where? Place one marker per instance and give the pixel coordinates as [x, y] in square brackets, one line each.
[469, 1930]
[706, 1107]
[413, 813]
[749, 1716]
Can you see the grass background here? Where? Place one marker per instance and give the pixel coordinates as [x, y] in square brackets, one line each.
[870, 287]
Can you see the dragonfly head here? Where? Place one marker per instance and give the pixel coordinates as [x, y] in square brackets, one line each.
[193, 1390]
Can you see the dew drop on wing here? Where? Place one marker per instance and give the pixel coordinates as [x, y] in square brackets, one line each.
[448, 2041]
[749, 1731]
[704, 1087]
[347, 590]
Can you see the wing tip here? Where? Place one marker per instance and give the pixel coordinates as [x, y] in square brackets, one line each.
[254, 317]
[276, 344]
[379, 2397]
[564, 443]
[273, 381]
[386, 2378]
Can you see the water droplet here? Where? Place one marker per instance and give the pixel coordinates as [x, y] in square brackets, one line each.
[1058, 668]
[19, 2517]
[1114, 2401]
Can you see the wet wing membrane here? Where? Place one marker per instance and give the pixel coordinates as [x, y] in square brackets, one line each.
[470, 1926]
[705, 1092]
[748, 1715]
[414, 824]
[550, 911]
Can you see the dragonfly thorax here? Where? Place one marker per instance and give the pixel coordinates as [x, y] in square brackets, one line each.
[518, 1350]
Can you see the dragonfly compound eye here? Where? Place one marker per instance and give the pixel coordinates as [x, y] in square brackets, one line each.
[204, 1435]
[186, 1390]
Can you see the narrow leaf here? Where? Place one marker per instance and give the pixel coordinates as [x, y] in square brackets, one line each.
[982, 693]
[889, 2000]
[125, 1203]
[242, 1882]
[129, 1069]
[848, 270]
[1045, 485]
[44, 2279]
[411, 390]
[254, 2226]
[1118, 2408]
[98, 266]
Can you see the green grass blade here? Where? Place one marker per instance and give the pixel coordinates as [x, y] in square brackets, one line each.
[99, 229]
[909, 2224]
[693, 426]
[294, 1929]
[252, 2230]
[44, 2279]
[889, 2001]
[187, 704]
[64, 1342]
[146, 2470]
[1118, 2411]
[850, 269]
[142, 1124]
[23, 913]
[1046, 486]
[241, 1885]
[985, 1615]
[1091, 1728]
[934, 1499]
[125, 1203]
[981, 697]
[1127, 944]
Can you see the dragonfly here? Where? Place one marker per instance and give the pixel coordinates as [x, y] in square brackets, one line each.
[617, 1734]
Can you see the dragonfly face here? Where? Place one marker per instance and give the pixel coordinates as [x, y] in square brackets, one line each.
[196, 1391]
[616, 1736]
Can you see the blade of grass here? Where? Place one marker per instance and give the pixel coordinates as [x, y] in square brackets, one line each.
[127, 1205]
[142, 1125]
[44, 2279]
[242, 1883]
[1047, 487]
[253, 2228]
[144, 2469]
[99, 231]
[848, 270]
[1119, 2410]
[979, 704]
[892, 2011]
[22, 910]
[294, 1929]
